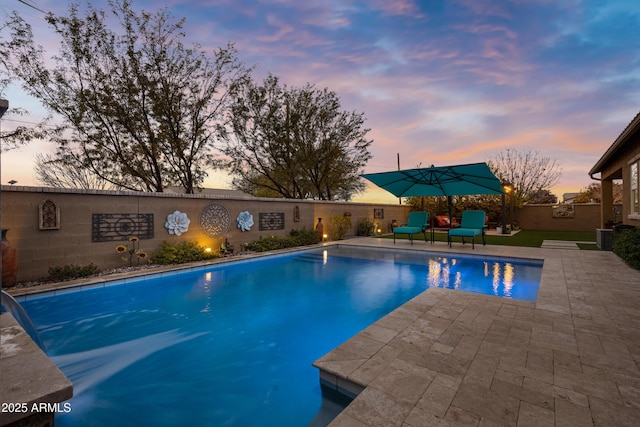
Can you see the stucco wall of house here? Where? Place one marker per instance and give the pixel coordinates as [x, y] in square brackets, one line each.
[619, 168]
[38, 250]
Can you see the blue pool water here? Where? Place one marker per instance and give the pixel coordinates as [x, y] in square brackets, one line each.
[233, 345]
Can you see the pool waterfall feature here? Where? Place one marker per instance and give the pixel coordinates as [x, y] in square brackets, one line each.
[22, 317]
[32, 387]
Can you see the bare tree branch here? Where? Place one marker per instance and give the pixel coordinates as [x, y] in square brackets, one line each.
[528, 172]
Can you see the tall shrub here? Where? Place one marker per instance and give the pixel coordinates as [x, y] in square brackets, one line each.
[366, 227]
[339, 226]
[626, 245]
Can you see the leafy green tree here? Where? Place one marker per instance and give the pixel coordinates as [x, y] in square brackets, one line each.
[543, 197]
[19, 135]
[593, 193]
[295, 142]
[139, 109]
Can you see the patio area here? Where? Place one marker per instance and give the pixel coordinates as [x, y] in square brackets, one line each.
[450, 358]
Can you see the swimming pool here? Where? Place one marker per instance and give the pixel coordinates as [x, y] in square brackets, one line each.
[233, 344]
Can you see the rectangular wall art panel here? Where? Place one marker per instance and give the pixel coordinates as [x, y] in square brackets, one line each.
[271, 221]
[118, 227]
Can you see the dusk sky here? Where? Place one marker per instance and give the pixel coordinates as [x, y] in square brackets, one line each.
[439, 82]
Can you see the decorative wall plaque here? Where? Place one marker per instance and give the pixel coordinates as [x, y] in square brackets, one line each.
[563, 211]
[116, 227]
[177, 223]
[296, 214]
[378, 213]
[245, 221]
[48, 215]
[271, 221]
[214, 220]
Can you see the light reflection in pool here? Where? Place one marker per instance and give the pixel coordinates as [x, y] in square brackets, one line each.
[451, 273]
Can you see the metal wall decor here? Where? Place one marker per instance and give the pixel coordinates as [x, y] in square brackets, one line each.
[563, 211]
[214, 220]
[48, 215]
[116, 227]
[378, 213]
[245, 221]
[271, 221]
[296, 214]
[177, 223]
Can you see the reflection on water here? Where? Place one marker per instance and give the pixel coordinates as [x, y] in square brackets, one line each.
[489, 277]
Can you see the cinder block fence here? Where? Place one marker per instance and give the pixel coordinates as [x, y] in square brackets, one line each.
[55, 227]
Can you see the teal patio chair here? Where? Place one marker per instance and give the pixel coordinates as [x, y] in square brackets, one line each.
[472, 225]
[418, 222]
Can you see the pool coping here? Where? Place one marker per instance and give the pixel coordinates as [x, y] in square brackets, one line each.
[29, 379]
[55, 288]
[460, 359]
[46, 289]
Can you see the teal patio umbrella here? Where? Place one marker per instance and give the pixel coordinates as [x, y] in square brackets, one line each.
[457, 180]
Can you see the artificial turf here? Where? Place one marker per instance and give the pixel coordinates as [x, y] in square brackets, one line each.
[525, 238]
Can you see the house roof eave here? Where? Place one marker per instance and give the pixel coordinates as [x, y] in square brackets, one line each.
[632, 128]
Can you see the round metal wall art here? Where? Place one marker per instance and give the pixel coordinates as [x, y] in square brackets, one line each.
[214, 220]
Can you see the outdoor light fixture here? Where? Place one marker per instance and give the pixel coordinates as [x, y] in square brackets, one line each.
[508, 188]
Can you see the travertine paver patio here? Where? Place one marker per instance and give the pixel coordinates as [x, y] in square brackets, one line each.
[460, 359]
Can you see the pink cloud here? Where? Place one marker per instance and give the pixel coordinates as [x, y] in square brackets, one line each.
[398, 7]
[486, 7]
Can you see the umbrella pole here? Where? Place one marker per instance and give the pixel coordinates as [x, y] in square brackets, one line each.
[399, 198]
[504, 214]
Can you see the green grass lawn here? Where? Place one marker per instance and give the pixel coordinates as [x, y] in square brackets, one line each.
[526, 238]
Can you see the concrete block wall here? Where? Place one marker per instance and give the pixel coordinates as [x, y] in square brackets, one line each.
[540, 217]
[38, 250]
